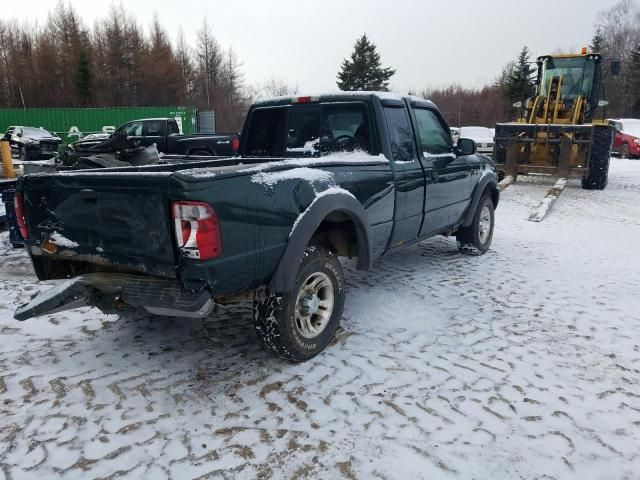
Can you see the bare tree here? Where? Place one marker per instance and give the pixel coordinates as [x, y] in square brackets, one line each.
[619, 29]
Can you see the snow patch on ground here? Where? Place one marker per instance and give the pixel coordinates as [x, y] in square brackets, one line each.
[522, 363]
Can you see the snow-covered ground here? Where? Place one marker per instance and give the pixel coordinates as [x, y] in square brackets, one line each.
[523, 363]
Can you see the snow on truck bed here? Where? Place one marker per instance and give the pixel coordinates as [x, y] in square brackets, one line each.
[523, 363]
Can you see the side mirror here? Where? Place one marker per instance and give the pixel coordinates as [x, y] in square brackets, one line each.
[466, 146]
[615, 67]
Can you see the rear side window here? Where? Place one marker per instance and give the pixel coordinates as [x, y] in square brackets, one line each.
[172, 127]
[303, 130]
[403, 148]
[266, 135]
[154, 128]
[433, 137]
[346, 126]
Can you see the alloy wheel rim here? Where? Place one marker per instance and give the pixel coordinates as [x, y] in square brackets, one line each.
[484, 225]
[314, 305]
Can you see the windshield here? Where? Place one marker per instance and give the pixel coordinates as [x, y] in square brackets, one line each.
[577, 76]
[35, 132]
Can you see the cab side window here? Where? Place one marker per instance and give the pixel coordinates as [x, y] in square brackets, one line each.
[434, 139]
[154, 128]
[133, 129]
[173, 127]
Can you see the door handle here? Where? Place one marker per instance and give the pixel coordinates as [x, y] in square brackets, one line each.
[88, 194]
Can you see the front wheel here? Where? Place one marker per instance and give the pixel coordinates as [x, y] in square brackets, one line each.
[476, 238]
[625, 151]
[299, 324]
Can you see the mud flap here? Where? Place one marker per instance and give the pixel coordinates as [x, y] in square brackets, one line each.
[67, 295]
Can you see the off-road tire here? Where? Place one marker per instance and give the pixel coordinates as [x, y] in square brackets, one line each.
[471, 239]
[275, 315]
[599, 160]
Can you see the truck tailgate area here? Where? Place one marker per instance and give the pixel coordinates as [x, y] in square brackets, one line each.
[115, 220]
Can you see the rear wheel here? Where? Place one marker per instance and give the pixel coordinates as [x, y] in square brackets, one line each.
[476, 238]
[202, 153]
[599, 160]
[299, 324]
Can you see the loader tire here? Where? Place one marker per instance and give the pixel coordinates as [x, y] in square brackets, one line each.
[299, 324]
[599, 160]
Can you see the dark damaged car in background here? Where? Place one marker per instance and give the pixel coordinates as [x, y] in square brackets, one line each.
[31, 143]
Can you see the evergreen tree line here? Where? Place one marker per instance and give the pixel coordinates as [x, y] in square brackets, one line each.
[117, 62]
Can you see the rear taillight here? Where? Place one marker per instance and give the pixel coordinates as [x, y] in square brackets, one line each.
[196, 229]
[235, 145]
[18, 205]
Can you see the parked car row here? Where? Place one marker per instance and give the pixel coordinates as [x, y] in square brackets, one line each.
[30, 143]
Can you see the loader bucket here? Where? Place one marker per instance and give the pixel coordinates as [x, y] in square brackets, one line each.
[556, 149]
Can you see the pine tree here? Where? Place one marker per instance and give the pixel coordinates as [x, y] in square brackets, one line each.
[83, 78]
[634, 78]
[515, 80]
[597, 42]
[364, 71]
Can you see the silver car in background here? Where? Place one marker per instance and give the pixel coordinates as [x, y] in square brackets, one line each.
[483, 137]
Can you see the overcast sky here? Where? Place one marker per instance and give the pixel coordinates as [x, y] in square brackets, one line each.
[430, 43]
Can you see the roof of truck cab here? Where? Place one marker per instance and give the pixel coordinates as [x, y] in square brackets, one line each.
[338, 96]
[151, 119]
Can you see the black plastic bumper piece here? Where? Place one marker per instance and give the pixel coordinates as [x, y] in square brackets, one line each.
[157, 295]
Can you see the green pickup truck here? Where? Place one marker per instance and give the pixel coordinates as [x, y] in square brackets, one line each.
[338, 175]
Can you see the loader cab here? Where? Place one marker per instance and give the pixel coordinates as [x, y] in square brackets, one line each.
[568, 87]
[579, 73]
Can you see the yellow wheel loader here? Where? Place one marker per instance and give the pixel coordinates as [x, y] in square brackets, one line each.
[556, 133]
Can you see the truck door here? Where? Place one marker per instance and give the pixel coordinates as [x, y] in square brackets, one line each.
[408, 173]
[448, 176]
